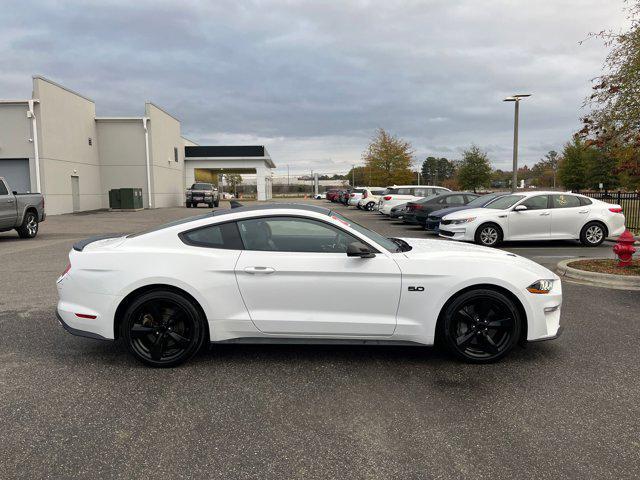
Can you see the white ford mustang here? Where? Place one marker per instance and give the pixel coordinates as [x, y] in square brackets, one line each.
[286, 271]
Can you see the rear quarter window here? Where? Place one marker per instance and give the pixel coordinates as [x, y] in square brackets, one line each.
[224, 236]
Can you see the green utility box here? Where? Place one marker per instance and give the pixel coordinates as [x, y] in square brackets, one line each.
[114, 199]
[131, 198]
[125, 199]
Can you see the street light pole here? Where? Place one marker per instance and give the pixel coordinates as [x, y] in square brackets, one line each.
[516, 99]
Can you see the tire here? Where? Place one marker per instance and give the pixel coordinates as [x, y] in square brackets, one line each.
[162, 328]
[358, 207]
[189, 205]
[29, 227]
[210, 205]
[488, 235]
[593, 234]
[216, 203]
[369, 206]
[481, 326]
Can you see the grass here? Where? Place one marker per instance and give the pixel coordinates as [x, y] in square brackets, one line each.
[607, 266]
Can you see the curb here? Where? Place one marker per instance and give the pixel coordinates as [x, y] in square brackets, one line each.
[609, 280]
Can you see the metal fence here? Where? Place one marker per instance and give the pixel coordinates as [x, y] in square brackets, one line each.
[629, 201]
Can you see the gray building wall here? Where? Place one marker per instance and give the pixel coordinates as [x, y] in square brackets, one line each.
[66, 122]
[121, 146]
[167, 184]
[16, 137]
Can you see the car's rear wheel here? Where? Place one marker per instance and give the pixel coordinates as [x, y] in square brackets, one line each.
[216, 203]
[370, 206]
[29, 227]
[592, 234]
[162, 328]
[481, 326]
[488, 235]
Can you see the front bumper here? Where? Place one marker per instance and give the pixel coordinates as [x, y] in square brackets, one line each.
[457, 232]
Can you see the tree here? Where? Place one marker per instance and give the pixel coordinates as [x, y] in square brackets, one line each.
[233, 180]
[388, 159]
[358, 176]
[544, 171]
[475, 169]
[613, 124]
[437, 170]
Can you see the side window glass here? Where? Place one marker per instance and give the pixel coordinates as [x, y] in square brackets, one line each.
[455, 200]
[3, 189]
[214, 236]
[539, 202]
[565, 201]
[585, 201]
[290, 234]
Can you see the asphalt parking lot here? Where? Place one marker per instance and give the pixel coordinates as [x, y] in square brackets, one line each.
[77, 408]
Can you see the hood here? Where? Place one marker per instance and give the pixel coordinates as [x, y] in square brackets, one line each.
[471, 212]
[424, 248]
[446, 211]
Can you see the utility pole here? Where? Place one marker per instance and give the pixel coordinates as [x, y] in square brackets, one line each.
[288, 183]
[516, 99]
[353, 176]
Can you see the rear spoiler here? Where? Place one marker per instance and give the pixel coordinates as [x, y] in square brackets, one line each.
[79, 246]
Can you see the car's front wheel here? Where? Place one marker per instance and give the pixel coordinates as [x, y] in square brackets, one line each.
[216, 203]
[488, 235]
[29, 227]
[162, 328]
[481, 326]
[592, 234]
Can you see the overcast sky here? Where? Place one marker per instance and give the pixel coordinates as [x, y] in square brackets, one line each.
[313, 80]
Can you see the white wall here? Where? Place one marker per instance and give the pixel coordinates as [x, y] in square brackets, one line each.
[66, 121]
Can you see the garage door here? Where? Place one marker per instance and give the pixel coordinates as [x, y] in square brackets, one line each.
[16, 172]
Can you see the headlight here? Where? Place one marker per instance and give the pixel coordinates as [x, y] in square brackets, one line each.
[462, 220]
[207, 194]
[188, 194]
[541, 286]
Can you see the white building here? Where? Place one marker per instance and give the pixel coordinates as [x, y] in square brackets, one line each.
[53, 143]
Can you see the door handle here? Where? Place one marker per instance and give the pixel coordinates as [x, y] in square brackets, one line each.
[259, 270]
[544, 214]
[10, 200]
[583, 211]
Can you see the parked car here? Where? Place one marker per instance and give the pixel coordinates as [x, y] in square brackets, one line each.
[332, 195]
[344, 197]
[416, 212]
[397, 194]
[432, 223]
[21, 212]
[536, 216]
[370, 198]
[356, 195]
[165, 292]
[398, 211]
[320, 196]
[201, 192]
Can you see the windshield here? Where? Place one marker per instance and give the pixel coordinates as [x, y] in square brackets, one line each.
[483, 200]
[376, 237]
[201, 186]
[505, 202]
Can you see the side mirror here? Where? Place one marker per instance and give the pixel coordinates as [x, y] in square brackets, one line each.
[359, 249]
[520, 208]
[15, 192]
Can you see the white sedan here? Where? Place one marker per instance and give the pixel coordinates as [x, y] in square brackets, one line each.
[536, 216]
[285, 272]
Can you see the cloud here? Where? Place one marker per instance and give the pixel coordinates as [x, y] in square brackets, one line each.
[313, 80]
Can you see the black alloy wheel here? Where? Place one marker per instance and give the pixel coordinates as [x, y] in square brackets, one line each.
[370, 206]
[163, 329]
[481, 326]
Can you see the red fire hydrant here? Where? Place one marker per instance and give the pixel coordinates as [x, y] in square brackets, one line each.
[624, 249]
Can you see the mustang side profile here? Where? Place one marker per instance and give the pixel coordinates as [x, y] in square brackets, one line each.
[256, 274]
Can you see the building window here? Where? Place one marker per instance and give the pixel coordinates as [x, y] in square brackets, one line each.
[175, 154]
[90, 141]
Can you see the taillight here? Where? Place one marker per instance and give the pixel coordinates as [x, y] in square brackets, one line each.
[388, 197]
[352, 195]
[66, 270]
[616, 209]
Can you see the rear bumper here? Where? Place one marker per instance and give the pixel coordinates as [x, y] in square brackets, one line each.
[77, 332]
